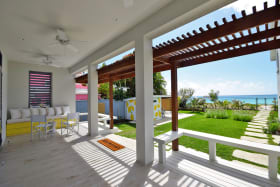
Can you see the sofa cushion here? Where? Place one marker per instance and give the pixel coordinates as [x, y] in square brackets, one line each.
[43, 111]
[66, 110]
[26, 113]
[58, 110]
[34, 111]
[50, 111]
[9, 121]
[15, 113]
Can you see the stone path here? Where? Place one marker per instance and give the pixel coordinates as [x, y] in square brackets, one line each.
[254, 133]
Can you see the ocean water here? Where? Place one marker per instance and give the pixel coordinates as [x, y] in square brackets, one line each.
[246, 98]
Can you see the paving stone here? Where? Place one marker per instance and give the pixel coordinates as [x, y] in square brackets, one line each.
[261, 135]
[276, 139]
[255, 126]
[252, 139]
[252, 157]
[258, 124]
[254, 130]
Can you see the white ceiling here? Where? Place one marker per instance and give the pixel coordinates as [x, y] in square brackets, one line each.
[27, 27]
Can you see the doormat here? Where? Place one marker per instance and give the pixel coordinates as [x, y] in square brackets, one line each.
[114, 146]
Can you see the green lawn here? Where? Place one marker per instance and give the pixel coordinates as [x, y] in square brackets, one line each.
[198, 122]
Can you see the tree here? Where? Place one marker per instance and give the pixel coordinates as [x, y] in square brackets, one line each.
[214, 96]
[159, 84]
[103, 90]
[186, 94]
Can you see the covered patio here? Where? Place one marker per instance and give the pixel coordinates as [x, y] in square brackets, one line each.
[79, 160]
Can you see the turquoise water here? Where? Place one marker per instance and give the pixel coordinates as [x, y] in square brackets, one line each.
[247, 98]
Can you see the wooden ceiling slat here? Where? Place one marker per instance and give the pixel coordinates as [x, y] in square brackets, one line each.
[238, 41]
[274, 44]
[206, 45]
[261, 17]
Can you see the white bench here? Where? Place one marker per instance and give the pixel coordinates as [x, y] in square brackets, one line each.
[273, 152]
[101, 117]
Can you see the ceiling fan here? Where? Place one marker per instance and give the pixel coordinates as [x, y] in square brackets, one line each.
[48, 60]
[43, 58]
[63, 40]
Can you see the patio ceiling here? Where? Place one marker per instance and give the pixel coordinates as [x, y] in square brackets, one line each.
[259, 31]
[29, 27]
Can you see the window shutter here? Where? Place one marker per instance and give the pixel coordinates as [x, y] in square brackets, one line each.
[40, 88]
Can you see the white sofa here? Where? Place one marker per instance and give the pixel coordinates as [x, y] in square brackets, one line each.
[24, 115]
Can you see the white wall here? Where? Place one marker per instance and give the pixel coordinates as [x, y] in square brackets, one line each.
[4, 95]
[63, 85]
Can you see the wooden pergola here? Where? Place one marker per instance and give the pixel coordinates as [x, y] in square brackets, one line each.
[259, 31]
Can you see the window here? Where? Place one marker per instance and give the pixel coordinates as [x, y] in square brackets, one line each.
[40, 88]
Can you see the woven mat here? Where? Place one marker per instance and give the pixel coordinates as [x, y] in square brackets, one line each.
[114, 146]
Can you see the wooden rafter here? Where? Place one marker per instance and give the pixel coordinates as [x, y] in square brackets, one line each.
[240, 36]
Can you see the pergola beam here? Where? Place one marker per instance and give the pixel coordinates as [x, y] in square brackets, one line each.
[274, 44]
[258, 18]
[230, 43]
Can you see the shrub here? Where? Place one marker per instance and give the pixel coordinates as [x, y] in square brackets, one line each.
[217, 114]
[246, 116]
[273, 123]
[272, 128]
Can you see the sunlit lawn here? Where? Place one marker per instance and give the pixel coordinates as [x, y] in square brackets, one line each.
[198, 122]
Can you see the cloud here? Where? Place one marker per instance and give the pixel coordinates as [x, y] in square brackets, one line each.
[226, 87]
[248, 4]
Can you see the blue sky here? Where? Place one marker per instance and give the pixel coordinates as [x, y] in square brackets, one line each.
[246, 75]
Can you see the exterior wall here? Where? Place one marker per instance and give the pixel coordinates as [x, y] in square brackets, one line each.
[4, 95]
[130, 108]
[63, 85]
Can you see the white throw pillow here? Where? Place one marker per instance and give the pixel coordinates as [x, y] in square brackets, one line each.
[66, 110]
[58, 110]
[26, 113]
[50, 111]
[43, 111]
[34, 111]
[15, 113]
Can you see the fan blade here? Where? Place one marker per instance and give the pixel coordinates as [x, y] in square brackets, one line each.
[72, 48]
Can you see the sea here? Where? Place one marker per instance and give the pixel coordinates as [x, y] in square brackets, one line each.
[252, 99]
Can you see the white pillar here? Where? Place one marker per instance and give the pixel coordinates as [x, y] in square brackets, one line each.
[278, 79]
[144, 100]
[92, 100]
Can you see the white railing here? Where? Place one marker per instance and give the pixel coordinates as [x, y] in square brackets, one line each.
[273, 152]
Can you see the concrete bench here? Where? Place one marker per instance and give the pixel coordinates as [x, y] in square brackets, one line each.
[273, 152]
[101, 117]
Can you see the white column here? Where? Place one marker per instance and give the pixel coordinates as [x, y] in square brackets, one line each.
[92, 100]
[278, 79]
[144, 100]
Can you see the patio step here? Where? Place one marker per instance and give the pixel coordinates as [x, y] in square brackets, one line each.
[252, 157]
[255, 134]
[254, 130]
[252, 139]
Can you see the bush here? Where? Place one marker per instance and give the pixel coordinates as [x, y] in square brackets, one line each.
[273, 123]
[217, 114]
[272, 128]
[246, 116]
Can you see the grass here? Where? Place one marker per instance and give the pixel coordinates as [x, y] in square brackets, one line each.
[243, 115]
[217, 114]
[224, 127]
[198, 122]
